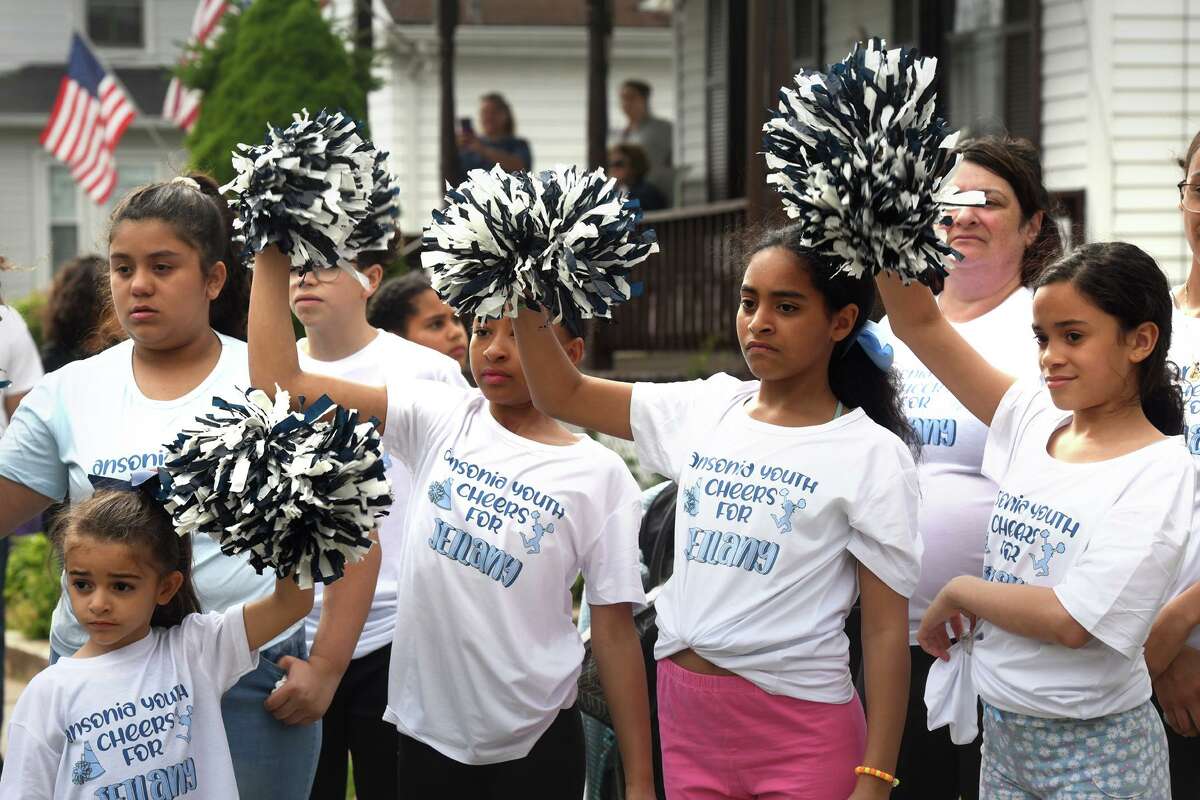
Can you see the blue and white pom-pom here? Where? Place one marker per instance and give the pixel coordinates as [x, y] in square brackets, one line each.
[863, 162]
[316, 189]
[591, 241]
[563, 239]
[481, 248]
[298, 491]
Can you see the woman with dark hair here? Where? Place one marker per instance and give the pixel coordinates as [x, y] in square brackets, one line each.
[176, 291]
[409, 307]
[987, 298]
[797, 493]
[627, 163]
[72, 313]
[497, 141]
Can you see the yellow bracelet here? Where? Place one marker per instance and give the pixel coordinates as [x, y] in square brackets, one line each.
[878, 773]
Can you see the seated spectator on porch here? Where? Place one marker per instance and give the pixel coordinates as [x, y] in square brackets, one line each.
[496, 141]
[653, 135]
[627, 163]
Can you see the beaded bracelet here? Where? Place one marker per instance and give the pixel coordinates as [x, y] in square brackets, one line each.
[878, 773]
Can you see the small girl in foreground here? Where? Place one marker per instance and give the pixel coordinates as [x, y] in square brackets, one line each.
[1086, 535]
[136, 712]
[797, 492]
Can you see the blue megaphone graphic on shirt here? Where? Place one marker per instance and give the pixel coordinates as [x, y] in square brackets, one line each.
[87, 767]
[439, 494]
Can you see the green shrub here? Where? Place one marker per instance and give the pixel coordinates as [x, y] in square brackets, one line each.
[30, 308]
[31, 586]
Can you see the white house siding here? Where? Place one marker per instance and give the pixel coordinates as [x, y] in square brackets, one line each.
[23, 194]
[39, 32]
[542, 71]
[1121, 101]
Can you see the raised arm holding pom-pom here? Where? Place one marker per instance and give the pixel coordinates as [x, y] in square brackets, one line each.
[560, 390]
[915, 318]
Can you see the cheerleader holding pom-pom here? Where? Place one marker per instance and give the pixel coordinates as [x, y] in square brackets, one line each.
[509, 508]
[137, 709]
[1088, 529]
[806, 499]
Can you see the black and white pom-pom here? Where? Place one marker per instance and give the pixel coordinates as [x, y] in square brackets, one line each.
[564, 239]
[378, 225]
[865, 165]
[306, 188]
[591, 243]
[298, 491]
[482, 248]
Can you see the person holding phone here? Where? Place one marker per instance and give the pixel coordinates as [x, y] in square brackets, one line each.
[496, 143]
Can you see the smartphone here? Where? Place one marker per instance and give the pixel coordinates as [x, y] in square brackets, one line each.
[464, 125]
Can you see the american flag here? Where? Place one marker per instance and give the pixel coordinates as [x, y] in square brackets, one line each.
[182, 105]
[89, 117]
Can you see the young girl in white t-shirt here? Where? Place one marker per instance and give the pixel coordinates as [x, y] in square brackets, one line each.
[797, 493]
[1087, 532]
[509, 508]
[136, 712]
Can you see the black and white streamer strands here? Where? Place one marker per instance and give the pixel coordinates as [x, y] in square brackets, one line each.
[298, 491]
[563, 239]
[316, 189]
[865, 165]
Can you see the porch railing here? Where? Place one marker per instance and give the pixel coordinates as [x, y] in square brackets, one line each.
[690, 288]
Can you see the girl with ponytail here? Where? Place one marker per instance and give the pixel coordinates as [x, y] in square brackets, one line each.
[1090, 523]
[151, 662]
[797, 493]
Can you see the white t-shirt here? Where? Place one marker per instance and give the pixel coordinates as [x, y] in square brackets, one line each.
[956, 500]
[770, 525]
[140, 722]
[1108, 536]
[90, 418]
[18, 358]
[498, 527]
[387, 354]
[1185, 355]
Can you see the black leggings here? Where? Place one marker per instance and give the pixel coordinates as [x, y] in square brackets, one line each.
[354, 725]
[553, 769]
[931, 767]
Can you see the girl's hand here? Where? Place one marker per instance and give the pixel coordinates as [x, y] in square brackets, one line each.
[1178, 692]
[932, 635]
[1167, 637]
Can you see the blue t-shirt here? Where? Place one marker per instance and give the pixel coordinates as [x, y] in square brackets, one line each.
[90, 418]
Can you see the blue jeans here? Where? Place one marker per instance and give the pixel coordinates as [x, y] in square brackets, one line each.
[270, 759]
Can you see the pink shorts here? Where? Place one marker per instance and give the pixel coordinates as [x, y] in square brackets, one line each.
[723, 737]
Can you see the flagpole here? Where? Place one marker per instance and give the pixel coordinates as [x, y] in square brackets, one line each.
[150, 129]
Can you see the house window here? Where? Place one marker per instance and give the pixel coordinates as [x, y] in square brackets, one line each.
[116, 23]
[64, 216]
[989, 66]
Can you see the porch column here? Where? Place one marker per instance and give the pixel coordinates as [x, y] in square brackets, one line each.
[446, 13]
[768, 67]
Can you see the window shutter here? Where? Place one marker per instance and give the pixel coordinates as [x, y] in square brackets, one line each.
[1022, 69]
